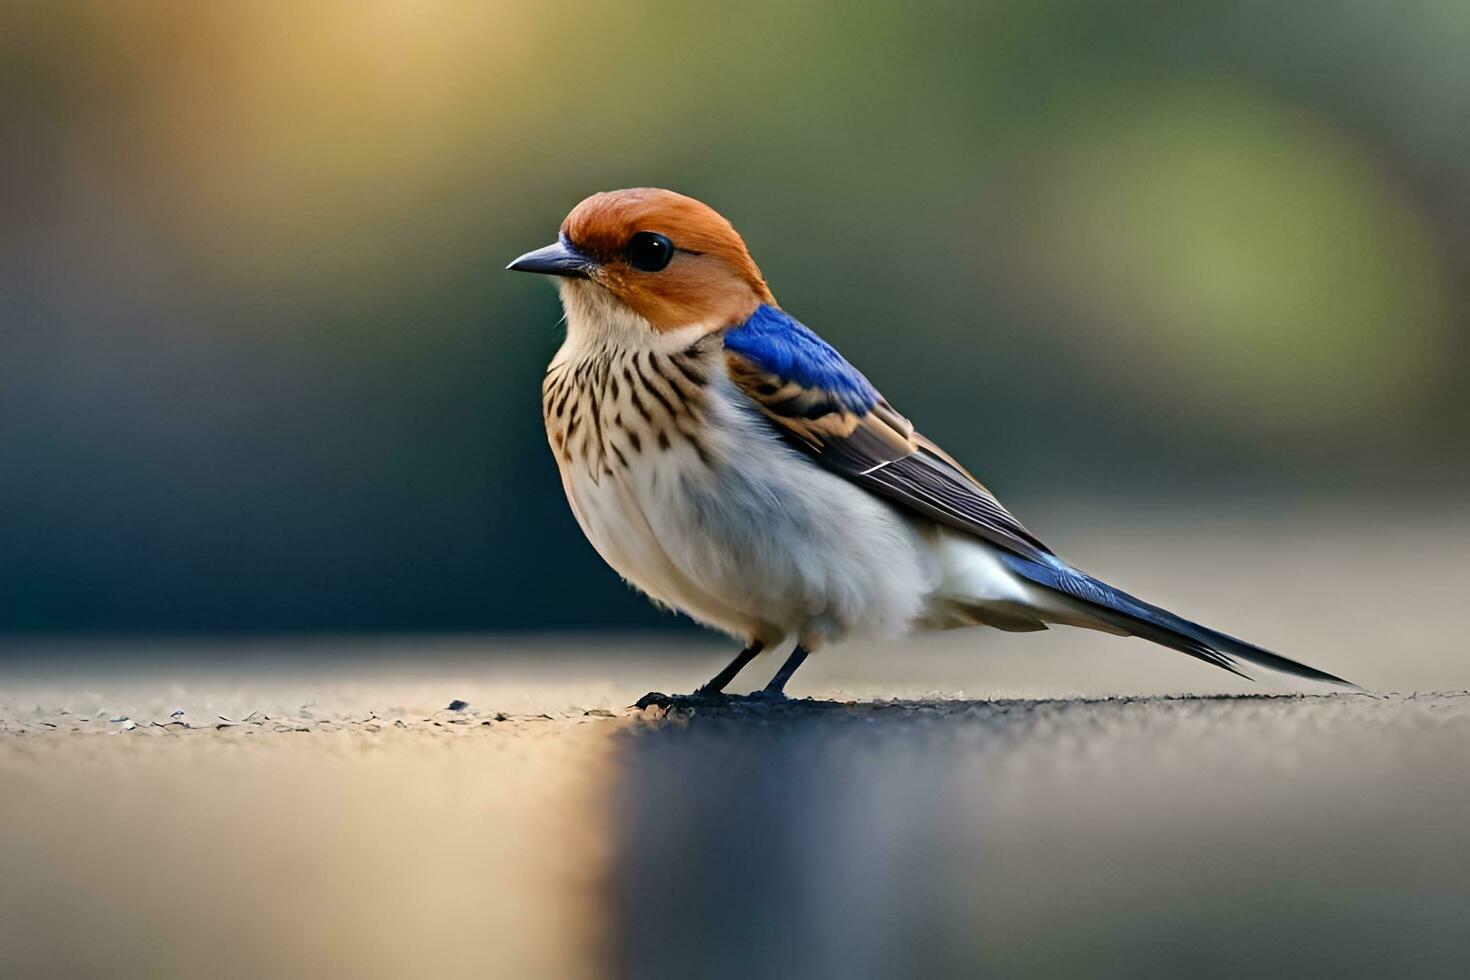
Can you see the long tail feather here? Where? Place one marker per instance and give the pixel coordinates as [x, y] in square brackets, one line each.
[1122, 611]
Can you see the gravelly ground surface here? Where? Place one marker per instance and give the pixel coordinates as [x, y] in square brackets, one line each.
[235, 823]
[306, 842]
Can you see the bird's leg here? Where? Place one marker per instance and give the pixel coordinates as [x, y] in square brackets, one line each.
[711, 690]
[716, 684]
[777, 687]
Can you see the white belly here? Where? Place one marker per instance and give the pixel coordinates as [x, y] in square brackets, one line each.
[761, 543]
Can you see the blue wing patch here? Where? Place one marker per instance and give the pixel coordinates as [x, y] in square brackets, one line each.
[827, 408]
[782, 346]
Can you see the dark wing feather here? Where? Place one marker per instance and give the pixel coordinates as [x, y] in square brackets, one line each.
[929, 483]
[866, 441]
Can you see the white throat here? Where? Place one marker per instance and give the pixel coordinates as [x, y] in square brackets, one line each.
[597, 321]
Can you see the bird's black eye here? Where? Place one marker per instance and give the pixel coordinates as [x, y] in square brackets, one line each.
[649, 251]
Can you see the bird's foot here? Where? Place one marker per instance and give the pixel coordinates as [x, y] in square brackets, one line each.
[768, 697]
[699, 699]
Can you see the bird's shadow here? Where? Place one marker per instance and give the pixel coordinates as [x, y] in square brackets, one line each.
[761, 706]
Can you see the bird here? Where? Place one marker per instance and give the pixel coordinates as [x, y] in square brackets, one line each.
[730, 464]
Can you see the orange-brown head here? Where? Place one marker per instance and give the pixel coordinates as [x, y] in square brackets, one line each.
[669, 258]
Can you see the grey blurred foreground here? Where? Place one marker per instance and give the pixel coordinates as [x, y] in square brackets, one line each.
[1227, 837]
[328, 814]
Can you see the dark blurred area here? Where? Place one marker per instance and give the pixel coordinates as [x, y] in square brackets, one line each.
[1208, 838]
[261, 369]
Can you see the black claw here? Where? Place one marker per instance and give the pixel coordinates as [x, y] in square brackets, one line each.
[701, 698]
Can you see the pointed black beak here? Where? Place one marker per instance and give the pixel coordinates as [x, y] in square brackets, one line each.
[558, 259]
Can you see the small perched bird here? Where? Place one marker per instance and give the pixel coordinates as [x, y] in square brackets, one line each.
[731, 464]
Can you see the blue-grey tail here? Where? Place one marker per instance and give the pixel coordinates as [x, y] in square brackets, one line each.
[1122, 611]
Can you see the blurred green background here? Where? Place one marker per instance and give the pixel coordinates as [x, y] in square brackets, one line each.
[261, 369]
